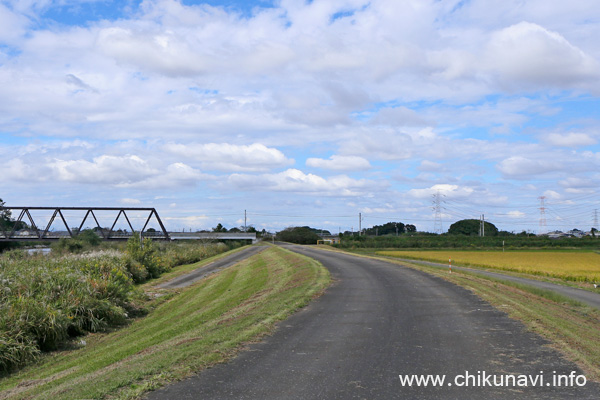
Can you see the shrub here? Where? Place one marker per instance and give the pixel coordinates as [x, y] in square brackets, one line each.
[142, 254]
[45, 300]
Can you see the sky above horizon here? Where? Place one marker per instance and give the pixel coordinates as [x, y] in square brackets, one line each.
[305, 112]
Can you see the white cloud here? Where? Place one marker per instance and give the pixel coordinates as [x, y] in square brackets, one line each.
[340, 163]
[230, 157]
[103, 169]
[527, 53]
[130, 201]
[573, 182]
[128, 171]
[430, 166]
[453, 92]
[519, 166]
[381, 144]
[12, 25]
[160, 50]
[515, 214]
[454, 191]
[175, 175]
[296, 181]
[571, 139]
[399, 116]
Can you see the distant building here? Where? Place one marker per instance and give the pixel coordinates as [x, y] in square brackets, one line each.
[576, 233]
[329, 239]
[556, 235]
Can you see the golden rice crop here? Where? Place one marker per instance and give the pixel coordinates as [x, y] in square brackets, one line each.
[574, 266]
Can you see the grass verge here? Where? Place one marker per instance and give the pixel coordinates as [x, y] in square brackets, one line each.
[187, 330]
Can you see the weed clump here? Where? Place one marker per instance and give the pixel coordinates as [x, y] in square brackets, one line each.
[47, 299]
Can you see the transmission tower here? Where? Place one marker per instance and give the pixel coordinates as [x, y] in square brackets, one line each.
[437, 207]
[596, 218]
[543, 225]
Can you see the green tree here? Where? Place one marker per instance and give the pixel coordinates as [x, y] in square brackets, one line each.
[5, 215]
[299, 235]
[470, 227]
[389, 228]
[5, 224]
[219, 228]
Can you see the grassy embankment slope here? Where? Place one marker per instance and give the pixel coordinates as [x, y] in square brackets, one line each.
[571, 327]
[186, 331]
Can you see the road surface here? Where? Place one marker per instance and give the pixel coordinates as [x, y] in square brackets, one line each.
[380, 321]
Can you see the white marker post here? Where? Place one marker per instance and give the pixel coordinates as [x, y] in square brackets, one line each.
[449, 265]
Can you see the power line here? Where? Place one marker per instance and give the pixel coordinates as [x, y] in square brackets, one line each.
[437, 203]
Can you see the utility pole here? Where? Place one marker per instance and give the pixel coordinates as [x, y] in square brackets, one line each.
[396, 224]
[596, 218]
[245, 229]
[359, 223]
[482, 225]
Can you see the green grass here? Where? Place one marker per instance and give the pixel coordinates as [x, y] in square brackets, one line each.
[187, 268]
[186, 331]
[47, 299]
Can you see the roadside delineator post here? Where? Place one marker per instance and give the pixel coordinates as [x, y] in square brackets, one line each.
[449, 265]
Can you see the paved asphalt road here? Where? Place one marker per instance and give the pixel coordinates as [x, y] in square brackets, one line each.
[584, 296]
[215, 266]
[379, 321]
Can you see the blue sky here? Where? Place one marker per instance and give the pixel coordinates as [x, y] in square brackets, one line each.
[304, 112]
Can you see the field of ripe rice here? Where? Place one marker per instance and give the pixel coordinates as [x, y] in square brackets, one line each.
[573, 266]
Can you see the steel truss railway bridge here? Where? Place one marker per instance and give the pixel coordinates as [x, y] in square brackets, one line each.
[25, 228]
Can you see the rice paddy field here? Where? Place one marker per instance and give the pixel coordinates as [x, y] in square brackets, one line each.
[579, 266]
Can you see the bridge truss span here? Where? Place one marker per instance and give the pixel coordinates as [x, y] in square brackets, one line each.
[25, 228]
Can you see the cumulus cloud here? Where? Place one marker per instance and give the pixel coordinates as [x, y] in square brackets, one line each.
[230, 157]
[445, 189]
[296, 181]
[519, 166]
[159, 50]
[452, 92]
[340, 163]
[515, 214]
[129, 201]
[399, 116]
[380, 144]
[103, 169]
[574, 182]
[571, 139]
[12, 24]
[527, 53]
[430, 166]
[175, 175]
[128, 171]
